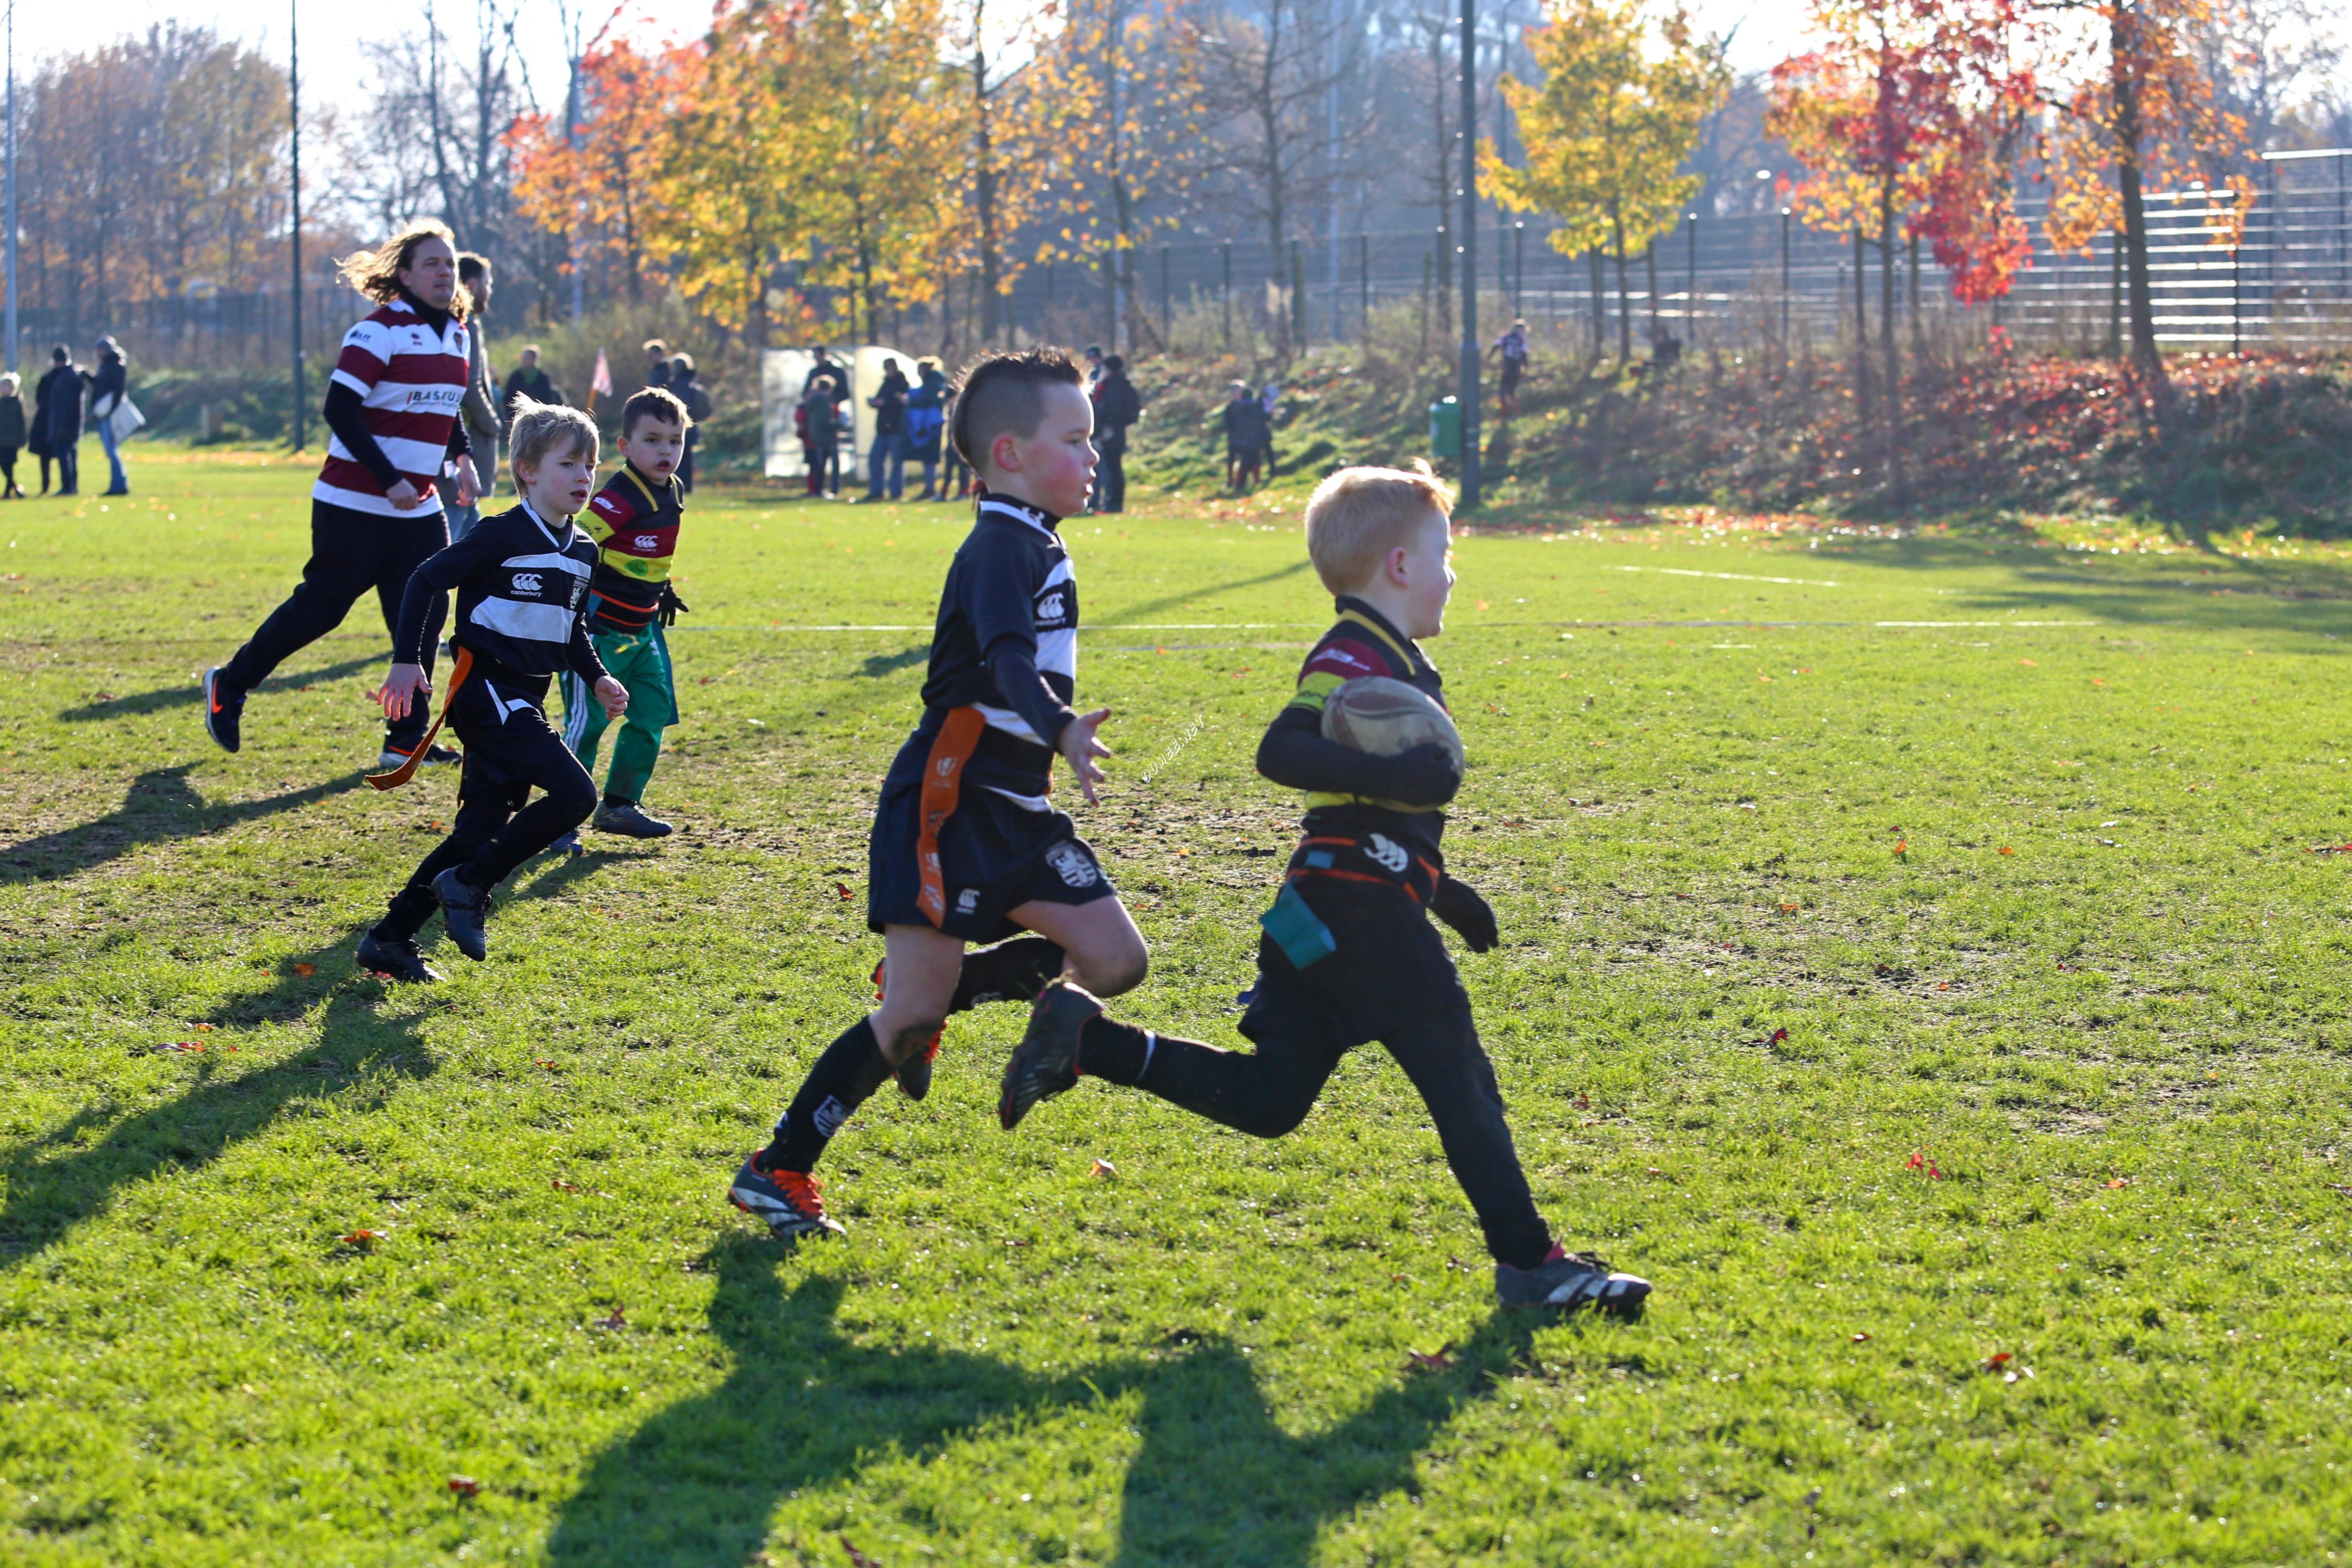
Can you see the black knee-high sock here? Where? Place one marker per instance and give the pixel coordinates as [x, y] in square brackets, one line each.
[1117, 1053]
[1012, 971]
[850, 1070]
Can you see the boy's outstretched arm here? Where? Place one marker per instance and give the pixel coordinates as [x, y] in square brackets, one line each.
[1295, 754]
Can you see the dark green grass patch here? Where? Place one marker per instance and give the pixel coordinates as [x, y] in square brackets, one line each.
[1916, 962]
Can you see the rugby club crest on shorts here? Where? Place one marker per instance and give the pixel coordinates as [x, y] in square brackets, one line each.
[1073, 864]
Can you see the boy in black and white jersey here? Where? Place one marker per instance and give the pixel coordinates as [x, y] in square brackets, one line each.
[966, 845]
[522, 582]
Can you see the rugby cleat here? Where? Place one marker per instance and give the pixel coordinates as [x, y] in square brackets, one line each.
[1046, 1062]
[568, 845]
[465, 909]
[630, 822]
[1569, 1280]
[785, 1201]
[222, 710]
[914, 1074]
[396, 958]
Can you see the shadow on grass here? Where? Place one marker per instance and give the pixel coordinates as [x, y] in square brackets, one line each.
[189, 695]
[882, 664]
[56, 1182]
[158, 809]
[1133, 613]
[1216, 1482]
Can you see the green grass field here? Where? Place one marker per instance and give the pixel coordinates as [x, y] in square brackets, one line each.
[2024, 1243]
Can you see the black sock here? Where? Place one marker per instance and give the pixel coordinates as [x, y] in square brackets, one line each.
[1115, 1052]
[1012, 971]
[617, 800]
[851, 1069]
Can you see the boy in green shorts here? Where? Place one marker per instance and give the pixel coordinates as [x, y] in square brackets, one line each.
[635, 520]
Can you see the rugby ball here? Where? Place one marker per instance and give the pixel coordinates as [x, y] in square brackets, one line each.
[1374, 714]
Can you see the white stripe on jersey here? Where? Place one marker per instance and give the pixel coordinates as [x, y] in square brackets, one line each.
[543, 564]
[1007, 720]
[369, 501]
[525, 623]
[1025, 801]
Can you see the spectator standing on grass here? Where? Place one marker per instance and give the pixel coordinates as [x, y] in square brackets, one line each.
[888, 451]
[958, 466]
[1511, 350]
[656, 364]
[683, 386]
[527, 380]
[926, 409]
[1247, 435]
[812, 421]
[394, 414]
[110, 389]
[56, 404]
[1116, 407]
[480, 409]
[12, 434]
[828, 374]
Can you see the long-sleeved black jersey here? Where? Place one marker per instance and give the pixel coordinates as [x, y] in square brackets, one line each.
[521, 587]
[1006, 643]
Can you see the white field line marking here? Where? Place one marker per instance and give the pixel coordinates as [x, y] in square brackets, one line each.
[1984, 623]
[1730, 576]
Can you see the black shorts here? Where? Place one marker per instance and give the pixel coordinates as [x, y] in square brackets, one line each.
[994, 856]
[1390, 967]
[509, 745]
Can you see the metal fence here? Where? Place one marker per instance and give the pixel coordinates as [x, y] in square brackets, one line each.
[1753, 280]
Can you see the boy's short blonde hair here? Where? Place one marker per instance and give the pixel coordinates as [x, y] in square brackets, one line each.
[541, 429]
[1357, 515]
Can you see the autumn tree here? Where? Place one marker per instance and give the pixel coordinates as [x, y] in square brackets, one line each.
[1906, 120]
[602, 190]
[2142, 111]
[1606, 130]
[1119, 122]
[879, 127]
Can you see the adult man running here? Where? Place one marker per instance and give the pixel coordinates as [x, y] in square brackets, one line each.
[375, 511]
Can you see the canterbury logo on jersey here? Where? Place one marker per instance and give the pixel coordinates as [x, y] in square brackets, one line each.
[1388, 852]
[648, 541]
[526, 583]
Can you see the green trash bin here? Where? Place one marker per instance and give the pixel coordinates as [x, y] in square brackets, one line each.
[1446, 428]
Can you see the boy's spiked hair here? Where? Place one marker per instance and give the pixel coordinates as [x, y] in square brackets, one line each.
[541, 429]
[654, 403]
[1004, 394]
[1357, 516]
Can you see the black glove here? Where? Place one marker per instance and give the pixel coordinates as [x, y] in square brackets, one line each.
[1458, 904]
[1424, 776]
[669, 607]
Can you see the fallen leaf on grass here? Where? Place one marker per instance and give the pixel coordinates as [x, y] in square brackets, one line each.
[858, 1559]
[1774, 1039]
[2120, 1182]
[204, 1028]
[1439, 1360]
[306, 970]
[2025, 661]
[1789, 909]
[2004, 849]
[465, 1486]
[1996, 1361]
[363, 1240]
[561, 1186]
[1105, 1169]
[2340, 1187]
[1924, 1164]
[1902, 847]
[842, 889]
[178, 1049]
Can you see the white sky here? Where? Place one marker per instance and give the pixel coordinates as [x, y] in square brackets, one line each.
[1768, 29]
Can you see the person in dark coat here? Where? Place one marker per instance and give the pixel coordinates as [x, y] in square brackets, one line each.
[828, 373]
[57, 410]
[529, 381]
[1116, 407]
[1248, 433]
[12, 435]
[888, 452]
[656, 364]
[927, 417]
[683, 386]
[108, 388]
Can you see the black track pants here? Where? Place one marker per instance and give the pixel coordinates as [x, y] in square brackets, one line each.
[350, 553]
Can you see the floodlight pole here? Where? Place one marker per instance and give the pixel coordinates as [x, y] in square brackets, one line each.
[11, 325]
[1469, 392]
[294, 113]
